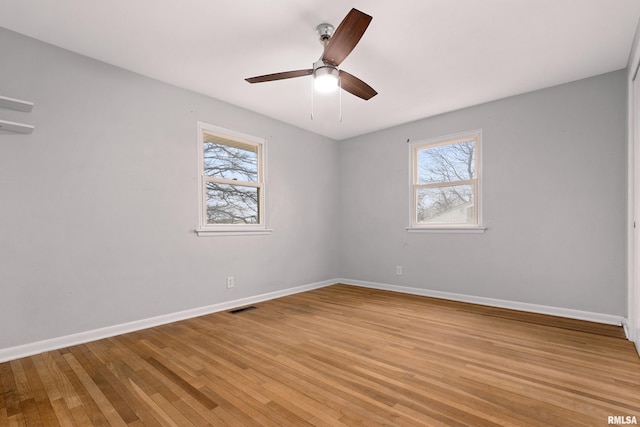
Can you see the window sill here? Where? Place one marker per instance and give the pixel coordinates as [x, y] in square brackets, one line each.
[447, 229]
[252, 232]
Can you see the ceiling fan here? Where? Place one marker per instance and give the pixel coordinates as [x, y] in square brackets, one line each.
[338, 44]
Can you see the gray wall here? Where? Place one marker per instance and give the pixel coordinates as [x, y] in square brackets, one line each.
[554, 165]
[98, 206]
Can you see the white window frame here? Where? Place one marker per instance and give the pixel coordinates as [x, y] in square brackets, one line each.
[205, 229]
[414, 147]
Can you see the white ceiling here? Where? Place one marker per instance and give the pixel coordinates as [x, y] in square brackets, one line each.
[424, 57]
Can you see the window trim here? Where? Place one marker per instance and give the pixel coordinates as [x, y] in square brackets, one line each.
[205, 229]
[414, 147]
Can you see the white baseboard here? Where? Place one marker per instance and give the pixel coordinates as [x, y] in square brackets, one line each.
[627, 331]
[492, 302]
[31, 349]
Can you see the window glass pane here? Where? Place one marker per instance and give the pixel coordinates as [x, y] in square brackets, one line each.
[230, 159]
[449, 204]
[446, 163]
[231, 204]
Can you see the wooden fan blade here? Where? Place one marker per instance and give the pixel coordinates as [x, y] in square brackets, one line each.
[355, 86]
[346, 37]
[280, 76]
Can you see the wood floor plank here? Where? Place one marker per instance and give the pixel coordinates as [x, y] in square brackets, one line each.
[63, 414]
[39, 393]
[104, 379]
[89, 409]
[28, 407]
[182, 383]
[336, 356]
[159, 413]
[94, 389]
[3, 402]
[10, 390]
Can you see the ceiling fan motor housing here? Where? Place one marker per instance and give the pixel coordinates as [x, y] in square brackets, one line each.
[324, 31]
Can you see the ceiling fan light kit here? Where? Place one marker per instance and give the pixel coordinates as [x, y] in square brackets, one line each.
[338, 44]
[326, 78]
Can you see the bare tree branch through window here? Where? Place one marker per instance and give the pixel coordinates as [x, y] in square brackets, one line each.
[232, 181]
[445, 182]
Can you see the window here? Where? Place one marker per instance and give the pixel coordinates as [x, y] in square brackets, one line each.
[232, 187]
[445, 183]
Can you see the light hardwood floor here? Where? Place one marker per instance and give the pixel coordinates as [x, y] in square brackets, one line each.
[336, 356]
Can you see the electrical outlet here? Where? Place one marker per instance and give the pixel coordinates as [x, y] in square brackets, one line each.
[230, 282]
[399, 270]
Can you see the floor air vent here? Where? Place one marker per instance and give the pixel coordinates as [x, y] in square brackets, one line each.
[242, 310]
